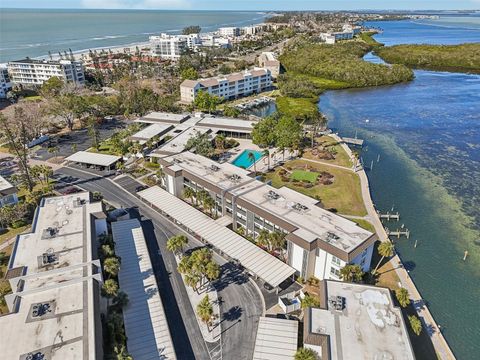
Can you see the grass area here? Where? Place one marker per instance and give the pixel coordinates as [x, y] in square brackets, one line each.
[4, 284]
[104, 148]
[364, 224]
[367, 37]
[463, 57]
[329, 144]
[33, 98]
[302, 175]
[12, 232]
[344, 194]
[321, 83]
[298, 108]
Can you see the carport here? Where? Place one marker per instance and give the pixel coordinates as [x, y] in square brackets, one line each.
[96, 160]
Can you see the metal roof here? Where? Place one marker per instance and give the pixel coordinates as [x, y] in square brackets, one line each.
[148, 335]
[151, 131]
[276, 339]
[253, 258]
[91, 158]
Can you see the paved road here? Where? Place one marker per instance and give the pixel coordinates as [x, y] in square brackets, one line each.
[241, 303]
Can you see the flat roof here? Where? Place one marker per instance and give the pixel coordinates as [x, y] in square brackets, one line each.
[92, 158]
[368, 327]
[177, 144]
[151, 131]
[254, 259]
[146, 327]
[156, 116]
[225, 123]
[276, 339]
[5, 185]
[68, 284]
[224, 176]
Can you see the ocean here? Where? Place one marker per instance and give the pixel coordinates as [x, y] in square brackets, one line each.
[427, 135]
[34, 33]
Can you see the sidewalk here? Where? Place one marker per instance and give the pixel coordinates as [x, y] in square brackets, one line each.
[440, 344]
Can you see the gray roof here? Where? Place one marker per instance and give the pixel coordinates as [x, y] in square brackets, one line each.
[276, 339]
[91, 158]
[146, 327]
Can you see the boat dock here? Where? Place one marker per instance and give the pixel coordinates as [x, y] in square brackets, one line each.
[389, 216]
[353, 141]
[398, 233]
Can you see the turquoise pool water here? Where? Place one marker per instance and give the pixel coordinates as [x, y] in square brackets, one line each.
[243, 161]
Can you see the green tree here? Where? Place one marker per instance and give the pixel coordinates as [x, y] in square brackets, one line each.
[266, 153]
[351, 273]
[263, 238]
[263, 134]
[206, 102]
[220, 142]
[110, 288]
[209, 204]
[111, 266]
[310, 301]
[317, 121]
[53, 150]
[189, 74]
[52, 87]
[385, 249]
[121, 300]
[68, 107]
[189, 193]
[205, 311]
[93, 132]
[231, 111]
[403, 297]
[212, 271]
[176, 243]
[276, 240]
[288, 134]
[415, 324]
[306, 354]
[202, 144]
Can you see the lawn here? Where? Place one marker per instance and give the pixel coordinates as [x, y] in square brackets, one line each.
[302, 175]
[344, 194]
[12, 233]
[297, 108]
[364, 224]
[331, 145]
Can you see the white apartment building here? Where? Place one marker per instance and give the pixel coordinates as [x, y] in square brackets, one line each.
[355, 29]
[173, 46]
[210, 40]
[36, 72]
[332, 37]
[318, 242]
[252, 30]
[229, 86]
[231, 31]
[5, 85]
[55, 276]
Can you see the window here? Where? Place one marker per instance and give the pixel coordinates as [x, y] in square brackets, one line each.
[335, 272]
[336, 261]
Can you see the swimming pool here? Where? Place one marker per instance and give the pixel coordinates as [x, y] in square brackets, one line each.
[243, 161]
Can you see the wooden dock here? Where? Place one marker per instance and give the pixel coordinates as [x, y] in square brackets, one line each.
[398, 233]
[353, 141]
[388, 216]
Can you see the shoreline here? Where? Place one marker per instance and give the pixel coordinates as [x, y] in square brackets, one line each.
[440, 344]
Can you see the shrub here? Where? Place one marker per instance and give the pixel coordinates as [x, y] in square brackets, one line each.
[18, 223]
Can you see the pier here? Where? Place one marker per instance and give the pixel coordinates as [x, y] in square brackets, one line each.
[389, 216]
[353, 141]
[398, 233]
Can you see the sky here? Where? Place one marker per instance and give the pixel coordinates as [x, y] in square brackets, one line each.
[245, 4]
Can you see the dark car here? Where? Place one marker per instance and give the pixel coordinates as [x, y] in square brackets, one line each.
[140, 188]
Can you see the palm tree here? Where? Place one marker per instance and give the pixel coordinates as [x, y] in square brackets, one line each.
[386, 250]
[220, 142]
[276, 240]
[212, 272]
[202, 195]
[310, 301]
[263, 238]
[110, 288]
[205, 310]
[53, 150]
[351, 273]
[176, 243]
[185, 265]
[266, 153]
[120, 166]
[251, 157]
[306, 354]
[209, 204]
[415, 324]
[403, 297]
[189, 193]
[160, 174]
[111, 266]
[192, 280]
[121, 300]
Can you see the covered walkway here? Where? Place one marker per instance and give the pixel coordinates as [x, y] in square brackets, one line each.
[257, 261]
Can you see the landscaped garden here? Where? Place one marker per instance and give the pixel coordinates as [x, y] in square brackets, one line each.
[328, 149]
[338, 190]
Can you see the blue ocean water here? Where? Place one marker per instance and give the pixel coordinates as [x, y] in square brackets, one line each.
[34, 33]
[427, 135]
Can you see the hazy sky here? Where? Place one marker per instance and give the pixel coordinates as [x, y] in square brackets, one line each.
[245, 4]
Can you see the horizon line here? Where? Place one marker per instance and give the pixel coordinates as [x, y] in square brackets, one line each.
[252, 10]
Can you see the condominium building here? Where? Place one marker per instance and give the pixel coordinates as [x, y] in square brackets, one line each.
[228, 86]
[173, 46]
[8, 193]
[268, 60]
[332, 37]
[210, 40]
[318, 242]
[356, 321]
[5, 85]
[231, 31]
[55, 305]
[355, 29]
[36, 72]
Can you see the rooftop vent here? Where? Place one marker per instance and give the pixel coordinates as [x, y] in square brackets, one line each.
[35, 356]
[49, 258]
[79, 202]
[214, 167]
[331, 237]
[235, 178]
[41, 309]
[272, 195]
[50, 233]
[336, 302]
[299, 207]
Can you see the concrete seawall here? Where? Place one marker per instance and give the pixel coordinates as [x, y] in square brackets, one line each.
[439, 342]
